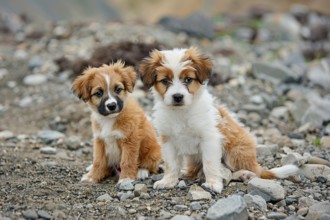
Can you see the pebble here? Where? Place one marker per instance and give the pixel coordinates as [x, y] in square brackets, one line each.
[140, 188]
[144, 195]
[268, 189]
[5, 135]
[35, 61]
[256, 202]
[34, 79]
[325, 141]
[198, 193]
[182, 184]
[118, 210]
[281, 113]
[48, 150]
[182, 217]
[164, 214]
[302, 211]
[276, 215]
[232, 207]
[132, 211]
[180, 207]
[73, 143]
[58, 214]
[30, 214]
[194, 206]
[126, 185]
[294, 158]
[50, 135]
[315, 170]
[157, 177]
[267, 150]
[126, 196]
[105, 197]
[318, 209]
[45, 215]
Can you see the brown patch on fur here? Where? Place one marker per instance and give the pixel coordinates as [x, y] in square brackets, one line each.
[140, 148]
[193, 168]
[267, 174]
[164, 139]
[200, 63]
[148, 67]
[163, 73]
[194, 86]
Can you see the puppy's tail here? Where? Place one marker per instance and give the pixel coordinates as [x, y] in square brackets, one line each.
[279, 172]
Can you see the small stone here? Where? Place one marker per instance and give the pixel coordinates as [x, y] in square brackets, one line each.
[294, 158]
[30, 214]
[182, 184]
[144, 195]
[140, 188]
[180, 207]
[50, 135]
[276, 215]
[182, 217]
[318, 209]
[132, 211]
[302, 211]
[126, 196]
[58, 214]
[73, 143]
[118, 210]
[281, 113]
[198, 193]
[5, 135]
[267, 150]
[164, 214]
[126, 185]
[194, 206]
[48, 150]
[268, 189]
[34, 79]
[43, 214]
[89, 206]
[35, 61]
[233, 207]
[314, 170]
[105, 197]
[157, 177]
[305, 202]
[325, 141]
[256, 202]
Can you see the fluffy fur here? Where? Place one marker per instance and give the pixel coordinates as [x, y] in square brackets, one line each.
[191, 126]
[123, 137]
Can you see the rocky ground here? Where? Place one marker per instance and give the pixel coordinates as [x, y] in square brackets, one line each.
[273, 70]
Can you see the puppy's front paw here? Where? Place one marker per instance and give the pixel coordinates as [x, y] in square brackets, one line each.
[215, 186]
[142, 174]
[165, 183]
[87, 178]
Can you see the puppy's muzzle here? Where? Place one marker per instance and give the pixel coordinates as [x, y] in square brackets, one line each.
[177, 99]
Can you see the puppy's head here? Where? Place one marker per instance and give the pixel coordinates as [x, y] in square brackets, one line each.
[106, 88]
[176, 75]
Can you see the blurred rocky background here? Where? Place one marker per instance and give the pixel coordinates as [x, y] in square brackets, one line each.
[271, 67]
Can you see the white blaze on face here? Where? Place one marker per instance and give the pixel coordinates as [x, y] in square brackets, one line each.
[111, 99]
[173, 61]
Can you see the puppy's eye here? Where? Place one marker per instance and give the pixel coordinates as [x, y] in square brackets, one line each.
[165, 81]
[99, 94]
[118, 90]
[187, 80]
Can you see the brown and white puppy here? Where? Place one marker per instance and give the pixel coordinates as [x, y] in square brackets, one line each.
[123, 136]
[191, 126]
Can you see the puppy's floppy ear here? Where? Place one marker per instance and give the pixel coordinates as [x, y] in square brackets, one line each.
[148, 68]
[201, 63]
[81, 87]
[129, 78]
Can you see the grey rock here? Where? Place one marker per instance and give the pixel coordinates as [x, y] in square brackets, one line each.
[144, 195]
[182, 184]
[126, 185]
[324, 216]
[302, 211]
[89, 206]
[194, 206]
[50, 135]
[261, 109]
[305, 202]
[48, 150]
[320, 75]
[256, 202]
[274, 73]
[4, 218]
[132, 211]
[25, 102]
[73, 143]
[180, 207]
[318, 209]
[257, 99]
[317, 113]
[276, 215]
[281, 113]
[233, 207]
[267, 150]
[35, 61]
[118, 210]
[315, 170]
[196, 25]
[21, 55]
[34, 79]
[282, 26]
[126, 196]
[164, 214]
[58, 214]
[294, 158]
[182, 217]
[30, 214]
[140, 188]
[3, 72]
[105, 197]
[325, 141]
[268, 189]
[45, 215]
[5, 135]
[226, 174]
[198, 193]
[157, 177]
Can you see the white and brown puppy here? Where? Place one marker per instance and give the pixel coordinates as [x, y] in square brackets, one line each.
[123, 136]
[191, 126]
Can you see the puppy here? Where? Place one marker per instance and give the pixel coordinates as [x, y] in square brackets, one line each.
[191, 126]
[123, 136]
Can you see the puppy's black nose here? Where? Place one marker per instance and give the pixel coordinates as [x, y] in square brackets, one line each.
[111, 106]
[177, 97]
